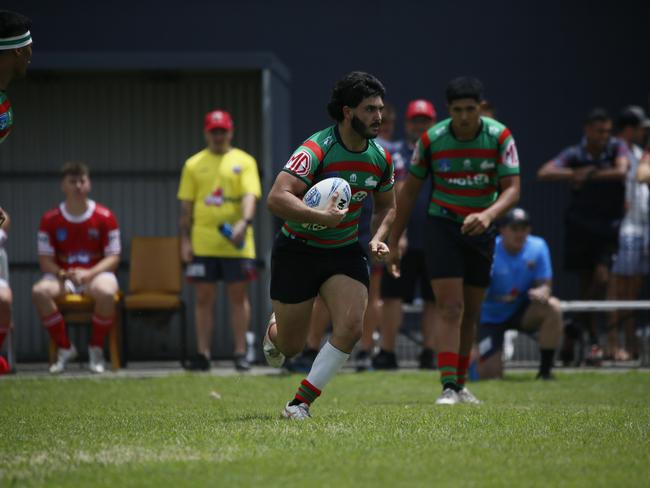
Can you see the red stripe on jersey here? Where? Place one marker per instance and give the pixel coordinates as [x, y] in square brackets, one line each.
[465, 153]
[352, 166]
[466, 192]
[355, 206]
[462, 174]
[5, 106]
[389, 158]
[457, 208]
[426, 142]
[504, 135]
[316, 239]
[315, 148]
[351, 223]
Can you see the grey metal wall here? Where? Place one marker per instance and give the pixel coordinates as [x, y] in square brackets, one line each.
[135, 130]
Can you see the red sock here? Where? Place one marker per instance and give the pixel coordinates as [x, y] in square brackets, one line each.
[101, 328]
[307, 393]
[463, 364]
[56, 328]
[448, 366]
[4, 330]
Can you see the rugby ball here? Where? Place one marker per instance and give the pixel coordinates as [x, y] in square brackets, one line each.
[320, 194]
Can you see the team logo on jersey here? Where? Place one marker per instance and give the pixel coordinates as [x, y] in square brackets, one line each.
[444, 165]
[494, 130]
[511, 158]
[353, 178]
[328, 140]
[371, 182]
[359, 196]
[236, 169]
[215, 198]
[61, 234]
[314, 227]
[299, 163]
[79, 257]
[93, 233]
[4, 120]
[467, 164]
[478, 179]
[487, 165]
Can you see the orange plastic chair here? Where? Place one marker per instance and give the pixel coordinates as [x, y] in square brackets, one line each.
[78, 310]
[155, 282]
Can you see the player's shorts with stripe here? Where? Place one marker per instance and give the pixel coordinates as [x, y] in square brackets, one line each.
[229, 270]
[451, 254]
[632, 257]
[299, 270]
[413, 277]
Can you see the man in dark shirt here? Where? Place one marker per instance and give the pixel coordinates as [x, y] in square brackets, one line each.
[596, 169]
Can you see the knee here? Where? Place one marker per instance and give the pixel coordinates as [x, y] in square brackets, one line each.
[555, 310]
[351, 329]
[40, 291]
[5, 297]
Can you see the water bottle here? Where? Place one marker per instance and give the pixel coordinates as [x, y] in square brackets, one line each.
[226, 231]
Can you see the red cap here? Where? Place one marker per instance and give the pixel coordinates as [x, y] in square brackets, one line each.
[217, 119]
[420, 108]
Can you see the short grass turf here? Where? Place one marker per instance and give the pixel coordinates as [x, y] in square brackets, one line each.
[371, 429]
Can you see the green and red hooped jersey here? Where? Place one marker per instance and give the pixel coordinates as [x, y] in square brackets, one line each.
[465, 173]
[6, 117]
[324, 156]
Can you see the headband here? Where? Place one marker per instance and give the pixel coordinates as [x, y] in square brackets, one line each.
[16, 41]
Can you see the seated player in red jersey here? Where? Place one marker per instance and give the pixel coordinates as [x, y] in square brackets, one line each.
[78, 250]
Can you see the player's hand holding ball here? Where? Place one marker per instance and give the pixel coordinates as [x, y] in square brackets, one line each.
[330, 198]
[332, 214]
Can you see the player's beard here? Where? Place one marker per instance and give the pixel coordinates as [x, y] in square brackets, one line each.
[362, 129]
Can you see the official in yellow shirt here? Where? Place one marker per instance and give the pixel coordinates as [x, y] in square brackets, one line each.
[218, 191]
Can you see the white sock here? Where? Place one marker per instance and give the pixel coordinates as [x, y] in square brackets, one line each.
[326, 365]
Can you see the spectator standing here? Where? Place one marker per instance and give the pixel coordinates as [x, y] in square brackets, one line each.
[78, 251]
[596, 169]
[219, 189]
[420, 116]
[519, 297]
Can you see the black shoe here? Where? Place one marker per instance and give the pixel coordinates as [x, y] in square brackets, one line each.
[362, 361]
[198, 363]
[303, 362]
[427, 359]
[241, 363]
[385, 360]
[545, 376]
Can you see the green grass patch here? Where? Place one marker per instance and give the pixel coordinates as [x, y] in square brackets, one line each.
[372, 429]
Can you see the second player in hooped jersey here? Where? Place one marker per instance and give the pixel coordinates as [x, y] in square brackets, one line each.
[474, 167]
[324, 156]
[317, 253]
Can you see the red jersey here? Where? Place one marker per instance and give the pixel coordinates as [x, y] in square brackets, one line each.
[79, 241]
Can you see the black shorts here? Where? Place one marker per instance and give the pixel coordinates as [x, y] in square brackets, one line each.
[299, 270]
[229, 270]
[490, 336]
[451, 254]
[413, 276]
[586, 246]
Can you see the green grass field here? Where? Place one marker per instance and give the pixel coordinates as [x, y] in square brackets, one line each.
[374, 429]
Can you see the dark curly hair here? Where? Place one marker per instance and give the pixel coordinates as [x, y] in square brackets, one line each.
[351, 90]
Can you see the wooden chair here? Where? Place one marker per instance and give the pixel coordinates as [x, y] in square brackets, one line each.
[78, 310]
[155, 282]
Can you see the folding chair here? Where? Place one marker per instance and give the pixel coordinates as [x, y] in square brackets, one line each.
[78, 310]
[155, 282]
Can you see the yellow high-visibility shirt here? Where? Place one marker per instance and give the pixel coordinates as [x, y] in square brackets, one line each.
[216, 183]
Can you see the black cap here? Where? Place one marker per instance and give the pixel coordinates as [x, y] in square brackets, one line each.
[515, 216]
[633, 115]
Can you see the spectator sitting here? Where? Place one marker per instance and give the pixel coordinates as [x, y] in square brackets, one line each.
[5, 294]
[596, 169]
[78, 250]
[519, 297]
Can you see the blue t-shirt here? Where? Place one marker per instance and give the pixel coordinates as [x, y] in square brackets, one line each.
[512, 276]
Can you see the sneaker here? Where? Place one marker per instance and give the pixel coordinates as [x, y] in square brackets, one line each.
[96, 359]
[466, 396]
[296, 412]
[273, 356]
[545, 376]
[241, 363]
[63, 357]
[362, 361]
[448, 397]
[198, 363]
[427, 359]
[303, 362]
[595, 356]
[385, 360]
[4, 366]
